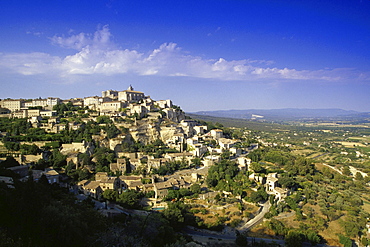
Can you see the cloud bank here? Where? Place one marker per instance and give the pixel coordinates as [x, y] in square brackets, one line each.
[96, 54]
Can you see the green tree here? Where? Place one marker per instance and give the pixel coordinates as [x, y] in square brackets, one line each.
[130, 199]
[83, 174]
[103, 120]
[259, 195]
[178, 214]
[225, 154]
[364, 241]
[346, 241]
[58, 160]
[287, 182]
[241, 240]
[277, 226]
[313, 237]
[195, 188]
[9, 162]
[257, 168]
[294, 238]
[359, 176]
[196, 162]
[346, 171]
[29, 149]
[110, 194]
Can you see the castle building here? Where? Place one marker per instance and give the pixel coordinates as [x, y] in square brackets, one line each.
[130, 95]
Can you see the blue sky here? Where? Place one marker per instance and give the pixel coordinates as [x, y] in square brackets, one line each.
[204, 55]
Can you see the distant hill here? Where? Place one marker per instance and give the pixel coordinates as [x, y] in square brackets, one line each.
[286, 114]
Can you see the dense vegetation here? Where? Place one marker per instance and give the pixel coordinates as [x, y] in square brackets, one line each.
[39, 214]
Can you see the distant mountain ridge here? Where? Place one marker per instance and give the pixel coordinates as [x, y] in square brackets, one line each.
[285, 114]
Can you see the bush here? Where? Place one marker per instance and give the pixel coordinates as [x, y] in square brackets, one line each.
[195, 211]
[235, 222]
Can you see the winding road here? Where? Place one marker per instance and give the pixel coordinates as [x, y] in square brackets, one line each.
[256, 220]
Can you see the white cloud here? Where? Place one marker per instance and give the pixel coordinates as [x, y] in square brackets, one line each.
[100, 39]
[30, 63]
[97, 54]
[38, 34]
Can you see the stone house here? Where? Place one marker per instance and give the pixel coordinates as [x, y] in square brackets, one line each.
[243, 163]
[92, 102]
[127, 180]
[27, 159]
[22, 171]
[46, 113]
[216, 133]
[75, 125]
[259, 179]
[121, 166]
[52, 176]
[271, 182]
[12, 104]
[78, 102]
[198, 149]
[227, 143]
[140, 110]
[187, 156]
[214, 158]
[112, 106]
[164, 103]
[176, 141]
[148, 187]
[156, 162]
[49, 102]
[83, 147]
[110, 94]
[135, 185]
[100, 175]
[280, 193]
[130, 95]
[161, 189]
[200, 130]
[178, 183]
[112, 183]
[93, 189]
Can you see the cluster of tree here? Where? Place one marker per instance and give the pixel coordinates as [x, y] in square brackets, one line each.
[225, 176]
[293, 237]
[8, 162]
[14, 126]
[67, 109]
[77, 174]
[221, 173]
[170, 167]
[103, 157]
[128, 199]
[146, 231]
[21, 130]
[156, 148]
[38, 214]
[281, 156]
[259, 195]
[194, 190]
[178, 214]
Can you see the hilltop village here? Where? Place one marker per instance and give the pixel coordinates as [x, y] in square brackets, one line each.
[136, 119]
